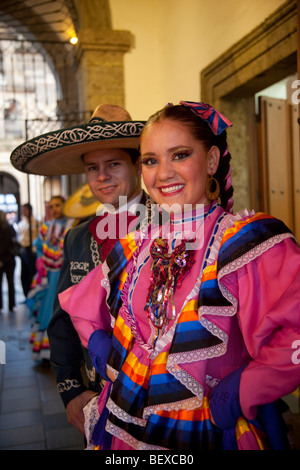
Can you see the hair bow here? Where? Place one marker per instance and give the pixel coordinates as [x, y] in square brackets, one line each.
[216, 121]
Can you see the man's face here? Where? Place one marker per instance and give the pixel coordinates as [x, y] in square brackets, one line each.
[110, 174]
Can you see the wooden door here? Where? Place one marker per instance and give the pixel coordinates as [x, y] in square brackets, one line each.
[279, 161]
[296, 168]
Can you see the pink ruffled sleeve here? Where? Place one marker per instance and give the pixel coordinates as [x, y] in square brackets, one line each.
[86, 305]
[268, 293]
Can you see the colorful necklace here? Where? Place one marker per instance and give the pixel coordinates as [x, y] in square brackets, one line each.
[167, 273]
[55, 237]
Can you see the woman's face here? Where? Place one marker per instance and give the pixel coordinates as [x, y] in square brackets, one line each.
[175, 166]
[56, 208]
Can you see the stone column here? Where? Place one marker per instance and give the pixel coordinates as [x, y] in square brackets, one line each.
[100, 53]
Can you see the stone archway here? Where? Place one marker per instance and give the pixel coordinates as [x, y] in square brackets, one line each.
[87, 74]
[263, 57]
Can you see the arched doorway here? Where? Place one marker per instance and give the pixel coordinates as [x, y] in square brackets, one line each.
[9, 196]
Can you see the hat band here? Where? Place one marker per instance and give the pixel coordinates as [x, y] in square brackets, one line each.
[74, 136]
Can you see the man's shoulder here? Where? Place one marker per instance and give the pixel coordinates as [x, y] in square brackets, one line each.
[80, 247]
[80, 229]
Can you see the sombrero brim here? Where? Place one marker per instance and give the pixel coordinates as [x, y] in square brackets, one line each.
[60, 152]
[81, 203]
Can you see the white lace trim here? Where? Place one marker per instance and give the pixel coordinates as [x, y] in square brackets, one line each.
[130, 440]
[189, 404]
[195, 356]
[216, 331]
[227, 311]
[253, 254]
[122, 415]
[91, 416]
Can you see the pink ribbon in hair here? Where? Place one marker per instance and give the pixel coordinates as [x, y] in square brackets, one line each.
[228, 176]
[228, 184]
[216, 121]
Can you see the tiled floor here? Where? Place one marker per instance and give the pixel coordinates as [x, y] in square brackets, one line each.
[32, 416]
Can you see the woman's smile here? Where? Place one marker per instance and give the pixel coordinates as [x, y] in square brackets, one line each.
[171, 189]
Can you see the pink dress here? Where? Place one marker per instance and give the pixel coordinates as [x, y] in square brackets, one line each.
[238, 307]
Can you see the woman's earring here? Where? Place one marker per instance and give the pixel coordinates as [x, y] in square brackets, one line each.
[212, 188]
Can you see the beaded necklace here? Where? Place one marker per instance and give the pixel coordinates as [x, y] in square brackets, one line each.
[55, 238]
[168, 271]
[127, 292]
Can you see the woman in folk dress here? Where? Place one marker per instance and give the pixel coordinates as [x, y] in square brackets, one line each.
[194, 329]
[40, 299]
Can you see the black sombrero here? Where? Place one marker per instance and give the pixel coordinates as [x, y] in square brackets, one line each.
[59, 152]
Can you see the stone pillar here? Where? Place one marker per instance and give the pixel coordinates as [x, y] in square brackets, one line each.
[100, 53]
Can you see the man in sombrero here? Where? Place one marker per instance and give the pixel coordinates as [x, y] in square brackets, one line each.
[106, 149]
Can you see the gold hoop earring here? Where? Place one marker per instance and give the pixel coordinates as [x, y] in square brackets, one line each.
[212, 188]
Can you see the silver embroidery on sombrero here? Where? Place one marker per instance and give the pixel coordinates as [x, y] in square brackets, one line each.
[74, 136]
